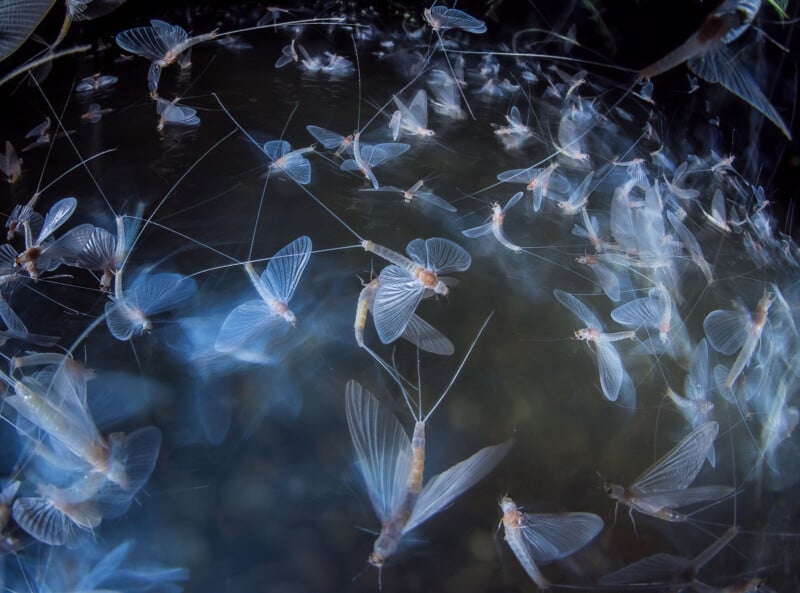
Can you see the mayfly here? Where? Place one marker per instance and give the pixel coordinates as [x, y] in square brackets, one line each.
[288, 55]
[95, 83]
[270, 314]
[418, 331]
[539, 181]
[495, 225]
[706, 54]
[367, 157]
[664, 486]
[43, 253]
[129, 311]
[728, 331]
[414, 116]
[692, 246]
[404, 284]
[543, 538]
[392, 466]
[10, 163]
[613, 377]
[331, 140]
[286, 160]
[415, 192]
[169, 112]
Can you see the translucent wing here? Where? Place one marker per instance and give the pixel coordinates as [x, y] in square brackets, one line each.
[578, 308]
[607, 280]
[177, 114]
[550, 537]
[478, 231]
[719, 65]
[88, 246]
[285, 268]
[696, 383]
[680, 466]
[298, 168]
[444, 488]
[452, 18]
[395, 302]
[643, 312]
[610, 368]
[726, 330]
[438, 254]
[681, 498]
[58, 215]
[382, 448]
[426, 337]
[435, 200]
[46, 523]
[518, 175]
[718, 207]
[327, 138]
[512, 201]
[275, 149]
[10, 318]
[18, 19]
[156, 293]
[419, 108]
[118, 320]
[659, 568]
[380, 153]
[151, 42]
[244, 323]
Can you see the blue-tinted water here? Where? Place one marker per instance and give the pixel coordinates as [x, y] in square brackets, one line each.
[256, 485]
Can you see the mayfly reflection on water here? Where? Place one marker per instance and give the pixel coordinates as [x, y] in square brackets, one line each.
[214, 333]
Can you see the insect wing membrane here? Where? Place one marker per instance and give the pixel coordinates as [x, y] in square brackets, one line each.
[245, 322]
[610, 367]
[550, 537]
[681, 498]
[645, 312]
[275, 149]
[57, 216]
[719, 65]
[298, 168]
[380, 153]
[435, 200]
[680, 466]
[518, 175]
[478, 231]
[445, 487]
[658, 568]
[157, 293]
[439, 255]
[426, 337]
[418, 109]
[285, 268]
[382, 447]
[726, 330]
[395, 302]
[327, 138]
[578, 308]
[452, 18]
[151, 42]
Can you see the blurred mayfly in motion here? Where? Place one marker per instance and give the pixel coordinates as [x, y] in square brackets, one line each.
[268, 317]
[706, 54]
[495, 224]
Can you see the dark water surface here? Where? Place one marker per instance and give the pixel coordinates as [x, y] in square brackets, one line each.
[275, 502]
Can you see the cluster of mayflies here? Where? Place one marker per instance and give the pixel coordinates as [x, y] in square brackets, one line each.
[644, 221]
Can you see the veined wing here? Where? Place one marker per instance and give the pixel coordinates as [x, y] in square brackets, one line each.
[157, 293]
[395, 302]
[695, 385]
[275, 149]
[417, 110]
[610, 367]
[553, 536]
[327, 138]
[57, 216]
[478, 231]
[578, 308]
[683, 497]
[452, 18]
[512, 201]
[380, 153]
[244, 323]
[438, 254]
[177, 114]
[18, 19]
[285, 268]
[152, 42]
[298, 168]
[519, 175]
[445, 487]
[726, 330]
[680, 466]
[382, 447]
[643, 312]
[719, 65]
[432, 198]
[426, 337]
